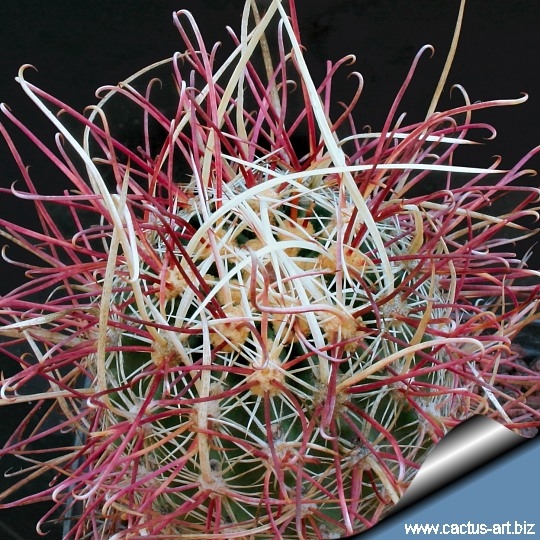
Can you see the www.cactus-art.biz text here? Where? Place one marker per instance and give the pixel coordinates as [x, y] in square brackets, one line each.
[508, 527]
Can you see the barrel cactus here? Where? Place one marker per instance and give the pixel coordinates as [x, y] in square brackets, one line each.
[249, 342]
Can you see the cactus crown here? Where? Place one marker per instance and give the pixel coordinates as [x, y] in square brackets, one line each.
[266, 345]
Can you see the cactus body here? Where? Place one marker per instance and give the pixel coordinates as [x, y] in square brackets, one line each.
[250, 343]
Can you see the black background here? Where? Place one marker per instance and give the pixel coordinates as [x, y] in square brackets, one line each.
[79, 45]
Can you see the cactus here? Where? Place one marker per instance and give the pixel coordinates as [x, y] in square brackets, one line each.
[246, 342]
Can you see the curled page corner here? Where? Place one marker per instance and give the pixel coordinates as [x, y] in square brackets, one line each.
[470, 445]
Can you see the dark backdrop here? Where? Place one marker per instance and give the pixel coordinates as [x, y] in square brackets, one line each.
[78, 45]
